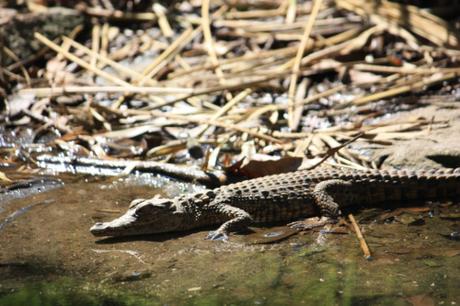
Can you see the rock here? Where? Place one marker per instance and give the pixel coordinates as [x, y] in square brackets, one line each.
[434, 148]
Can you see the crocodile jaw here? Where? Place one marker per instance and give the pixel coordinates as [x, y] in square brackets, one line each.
[129, 225]
[151, 216]
[121, 226]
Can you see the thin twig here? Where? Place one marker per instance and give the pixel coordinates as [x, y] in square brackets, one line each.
[332, 151]
[57, 91]
[228, 126]
[298, 59]
[397, 90]
[155, 66]
[237, 99]
[359, 235]
[103, 59]
[205, 25]
[81, 62]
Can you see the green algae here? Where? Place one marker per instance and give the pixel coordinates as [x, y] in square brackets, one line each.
[66, 293]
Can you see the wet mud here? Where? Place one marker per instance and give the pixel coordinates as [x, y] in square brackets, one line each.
[49, 248]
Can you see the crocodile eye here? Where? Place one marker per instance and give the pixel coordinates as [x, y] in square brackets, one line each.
[152, 207]
[136, 202]
[162, 203]
[144, 211]
[159, 205]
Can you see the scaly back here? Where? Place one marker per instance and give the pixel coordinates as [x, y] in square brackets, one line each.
[367, 186]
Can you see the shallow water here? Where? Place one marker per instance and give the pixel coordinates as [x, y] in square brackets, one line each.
[48, 256]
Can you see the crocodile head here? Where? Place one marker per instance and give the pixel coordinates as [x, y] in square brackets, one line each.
[150, 216]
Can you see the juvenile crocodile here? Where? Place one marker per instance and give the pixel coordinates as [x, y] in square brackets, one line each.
[282, 197]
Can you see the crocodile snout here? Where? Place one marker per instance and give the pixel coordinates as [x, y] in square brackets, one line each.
[98, 229]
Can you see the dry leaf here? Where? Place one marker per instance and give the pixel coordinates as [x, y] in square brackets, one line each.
[257, 168]
[4, 179]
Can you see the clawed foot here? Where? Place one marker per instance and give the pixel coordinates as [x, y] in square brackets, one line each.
[217, 235]
[311, 223]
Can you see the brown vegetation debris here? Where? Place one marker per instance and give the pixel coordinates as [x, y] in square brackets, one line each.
[197, 82]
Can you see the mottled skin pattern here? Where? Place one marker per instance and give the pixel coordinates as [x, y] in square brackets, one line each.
[282, 197]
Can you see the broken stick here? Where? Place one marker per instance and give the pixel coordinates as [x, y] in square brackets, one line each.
[359, 235]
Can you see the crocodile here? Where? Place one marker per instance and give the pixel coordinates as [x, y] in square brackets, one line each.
[282, 198]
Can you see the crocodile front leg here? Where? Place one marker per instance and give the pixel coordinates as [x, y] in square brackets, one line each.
[240, 219]
[325, 194]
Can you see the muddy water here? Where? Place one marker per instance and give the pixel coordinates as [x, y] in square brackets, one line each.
[48, 257]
